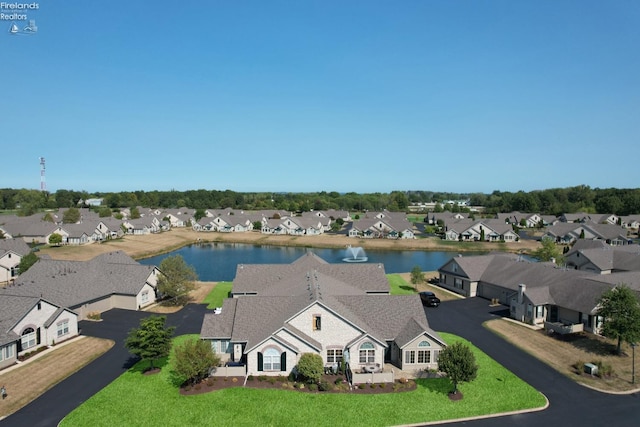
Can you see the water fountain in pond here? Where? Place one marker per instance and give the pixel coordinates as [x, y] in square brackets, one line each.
[356, 254]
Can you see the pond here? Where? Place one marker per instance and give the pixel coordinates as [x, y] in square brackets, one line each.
[218, 261]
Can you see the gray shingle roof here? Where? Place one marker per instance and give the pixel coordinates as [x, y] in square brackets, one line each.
[283, 291]
[72, 283]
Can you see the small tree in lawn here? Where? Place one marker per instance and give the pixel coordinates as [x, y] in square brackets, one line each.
[152, 340]
[310, 367]
[459, 363]
[620, 309]
[177, 279]
[193, 359]
[55, 239]
[417, 276]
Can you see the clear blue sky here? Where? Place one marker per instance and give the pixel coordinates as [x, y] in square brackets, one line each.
[364, 96]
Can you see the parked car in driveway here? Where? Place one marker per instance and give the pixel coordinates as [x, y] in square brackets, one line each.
[429, 299]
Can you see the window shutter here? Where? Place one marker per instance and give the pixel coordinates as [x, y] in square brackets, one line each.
[38, 336]
[260, 362]
[19, 346]
[283, 361]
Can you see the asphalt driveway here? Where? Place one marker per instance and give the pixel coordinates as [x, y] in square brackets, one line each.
[50, 408]
[570, 403]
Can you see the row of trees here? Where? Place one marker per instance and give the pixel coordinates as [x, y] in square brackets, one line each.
[549, 202]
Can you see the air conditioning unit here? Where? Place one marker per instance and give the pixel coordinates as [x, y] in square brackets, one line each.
[590, 368]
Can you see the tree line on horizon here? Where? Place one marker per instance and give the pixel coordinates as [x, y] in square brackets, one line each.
[553, 201]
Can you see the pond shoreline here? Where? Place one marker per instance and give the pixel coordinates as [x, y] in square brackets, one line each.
[146, 246]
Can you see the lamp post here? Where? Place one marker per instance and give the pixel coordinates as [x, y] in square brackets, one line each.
[633, 362]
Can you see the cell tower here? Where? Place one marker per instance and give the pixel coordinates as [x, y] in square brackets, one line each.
[43, 184]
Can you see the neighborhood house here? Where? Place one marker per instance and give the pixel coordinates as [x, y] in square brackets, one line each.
[343, 312]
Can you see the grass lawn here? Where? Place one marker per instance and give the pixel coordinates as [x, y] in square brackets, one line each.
[399, 286]
[562, 352]
[136, 400]
[218, 294]
[31, 379]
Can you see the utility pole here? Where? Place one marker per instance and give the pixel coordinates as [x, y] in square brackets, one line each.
[43, 184]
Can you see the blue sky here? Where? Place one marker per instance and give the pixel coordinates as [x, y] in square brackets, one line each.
[364, 96]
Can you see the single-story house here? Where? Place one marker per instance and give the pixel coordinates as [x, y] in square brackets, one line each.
[537, 293]
[11, 253]
[342, 312]
[28, 323]
[110, 280]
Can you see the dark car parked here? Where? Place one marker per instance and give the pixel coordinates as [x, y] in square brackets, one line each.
[429, 299]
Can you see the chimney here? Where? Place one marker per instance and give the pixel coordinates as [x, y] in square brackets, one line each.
[521, 290]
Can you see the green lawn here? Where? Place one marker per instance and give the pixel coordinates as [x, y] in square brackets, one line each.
[399, 286]
[134, 399]
[218, 294]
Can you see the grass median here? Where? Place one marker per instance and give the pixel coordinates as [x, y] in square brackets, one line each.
[139, 400]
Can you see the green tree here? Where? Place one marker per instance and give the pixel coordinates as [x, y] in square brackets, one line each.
[620, 309]
[459, 363]
[199, 213]
[177, 279]
[152, 340]
[26, 262]
[549, 251]
[71, 216]
[417, 276]
[311, 367]
[135, 213]
[193, 359]
[55, 239]
[257, 225]
[48, 217]
[104, 212]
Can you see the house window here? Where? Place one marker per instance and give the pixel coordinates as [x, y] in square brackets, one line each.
[144, 297]
[334, 355]
[410, 356]
[367, 353]
[457, 283]
[424, 344]
[424, 356]
[539, 311]
[221, 346]
[63, 328]
[28, 339]
[6, 352]
[271, 360]
[317, 322]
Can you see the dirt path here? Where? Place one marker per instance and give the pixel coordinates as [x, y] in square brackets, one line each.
[149, 245]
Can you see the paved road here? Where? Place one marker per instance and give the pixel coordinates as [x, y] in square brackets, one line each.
[50, 408]
[570, 403]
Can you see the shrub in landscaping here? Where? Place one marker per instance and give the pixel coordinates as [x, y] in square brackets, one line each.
[361, 386]
[338, 381]
[578, 366]
[272, 380]
[310, 367]
[193, 358]
[604, 369]
[250, 378]
[262, 377]
[324, 386]
[313, 387]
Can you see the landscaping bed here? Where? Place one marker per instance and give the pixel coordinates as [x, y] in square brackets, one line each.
[328, 384]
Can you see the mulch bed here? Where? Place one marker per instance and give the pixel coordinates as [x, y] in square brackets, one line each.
[282, 383]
